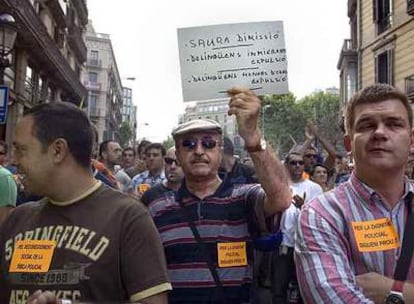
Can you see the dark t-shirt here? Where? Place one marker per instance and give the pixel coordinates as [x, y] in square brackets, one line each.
[107, 249]
[153, 193]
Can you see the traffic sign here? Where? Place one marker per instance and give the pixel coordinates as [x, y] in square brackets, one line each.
[4, 103]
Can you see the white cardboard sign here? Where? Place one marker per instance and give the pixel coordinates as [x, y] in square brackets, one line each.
[215, 58]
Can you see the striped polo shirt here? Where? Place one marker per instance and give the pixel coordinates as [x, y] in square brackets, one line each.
[226, 216]
[326, 251]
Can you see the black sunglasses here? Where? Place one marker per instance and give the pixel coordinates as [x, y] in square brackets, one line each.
[170, 161]
[207, 143]
[296, 163]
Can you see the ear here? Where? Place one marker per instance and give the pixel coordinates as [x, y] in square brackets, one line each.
[412, 143]
[347, 143]
[177, 156]
[59, 150]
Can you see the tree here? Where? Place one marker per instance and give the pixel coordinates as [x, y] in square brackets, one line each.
[125, 134]
[286, 118]
[168, 143]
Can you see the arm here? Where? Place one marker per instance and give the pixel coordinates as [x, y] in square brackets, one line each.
[376, 287]
[245, 105]
[323, 267]
[330, 160]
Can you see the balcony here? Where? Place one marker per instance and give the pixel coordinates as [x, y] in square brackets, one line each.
[82, 10]
[410, 7]
[352, 5]
[409, 86]
[92, 86]
[58, 13]
[348, 51]
[75, 40]
[97, 63]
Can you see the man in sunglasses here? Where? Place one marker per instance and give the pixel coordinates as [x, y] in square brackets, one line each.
[174, 175]
[303, 190]
[207, 229]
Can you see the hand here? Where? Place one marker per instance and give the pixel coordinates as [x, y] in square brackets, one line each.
[375, 286]
[141, 165]
[298, 200]
[311, 130]
[46, 297]
[246, 106]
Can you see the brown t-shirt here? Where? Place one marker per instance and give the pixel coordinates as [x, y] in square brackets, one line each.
[108, 249]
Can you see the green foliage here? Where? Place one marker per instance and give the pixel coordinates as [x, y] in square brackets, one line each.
[125, 134]
[285, 118]
[168, 143]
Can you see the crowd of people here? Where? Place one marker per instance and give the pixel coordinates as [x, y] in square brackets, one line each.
[193, 223]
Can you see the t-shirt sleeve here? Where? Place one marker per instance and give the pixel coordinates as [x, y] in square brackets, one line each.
[143, 264]
[8, 189]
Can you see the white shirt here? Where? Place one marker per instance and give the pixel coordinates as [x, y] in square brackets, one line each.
[288, 222]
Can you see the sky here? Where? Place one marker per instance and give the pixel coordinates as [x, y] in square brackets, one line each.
[144, 39]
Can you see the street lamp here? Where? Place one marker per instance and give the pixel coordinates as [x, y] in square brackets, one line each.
[8, 33]
[263, 120]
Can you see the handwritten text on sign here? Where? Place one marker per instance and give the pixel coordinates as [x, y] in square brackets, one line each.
[215, 58]
[232, 254]
[376, 235]
[32, 256]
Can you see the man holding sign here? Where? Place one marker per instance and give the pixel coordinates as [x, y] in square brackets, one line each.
[350, 240]
[216, 266]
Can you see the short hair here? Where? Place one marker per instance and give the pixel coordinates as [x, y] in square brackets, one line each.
[374, 94]
[142, 145]
[4, 145]
[228, 148]
[63, 120]
[156, 146]
[318, 165]
[129, 149]
[287, 159]
[103, 147]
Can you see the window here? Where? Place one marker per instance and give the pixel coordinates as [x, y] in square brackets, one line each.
[92, 101]
[384, 67]
[382, 14]
[94, 56]
[93, 77]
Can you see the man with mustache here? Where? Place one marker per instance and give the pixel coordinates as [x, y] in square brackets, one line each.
[349, 240]
[207, 227]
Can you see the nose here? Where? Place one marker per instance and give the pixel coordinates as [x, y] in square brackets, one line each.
[380, 131]
[199, 149]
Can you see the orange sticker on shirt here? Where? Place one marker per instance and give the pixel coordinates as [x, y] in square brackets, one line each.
[32, 256]
[232, 254]
[376, 235]
[143, 187]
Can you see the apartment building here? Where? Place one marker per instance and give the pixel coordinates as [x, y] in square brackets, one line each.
[380, 47]
[101, 79]
[47, 57]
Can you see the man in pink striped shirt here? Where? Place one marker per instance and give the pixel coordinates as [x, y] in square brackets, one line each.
[349, 240]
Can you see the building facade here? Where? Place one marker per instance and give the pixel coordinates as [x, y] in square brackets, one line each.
[381, 46]
[101, 79]
[129, 114]
[47, 58]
